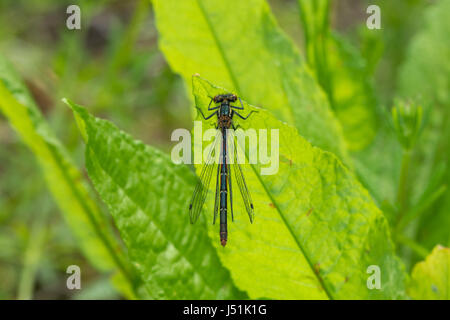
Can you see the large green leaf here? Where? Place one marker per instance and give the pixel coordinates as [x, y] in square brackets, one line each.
[316, 229]
[90, 227]
[430, 279]
[239, 45]
[148, 195]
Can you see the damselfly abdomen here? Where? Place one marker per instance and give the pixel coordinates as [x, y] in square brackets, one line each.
[224, 111]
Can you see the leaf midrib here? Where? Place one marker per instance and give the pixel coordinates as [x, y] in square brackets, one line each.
[219, 47]
[272, 199]
[235, 83]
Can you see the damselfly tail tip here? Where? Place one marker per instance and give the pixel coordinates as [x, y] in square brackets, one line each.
[223, 242]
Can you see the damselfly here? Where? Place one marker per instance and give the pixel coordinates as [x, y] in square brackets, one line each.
[224, 111]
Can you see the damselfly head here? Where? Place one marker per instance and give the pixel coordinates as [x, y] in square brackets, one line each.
[230, 97]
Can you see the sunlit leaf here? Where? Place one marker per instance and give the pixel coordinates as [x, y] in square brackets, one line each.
[430, 279]
[238, 44]
[316, 229]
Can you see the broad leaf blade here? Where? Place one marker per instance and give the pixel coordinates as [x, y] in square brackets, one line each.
[430, 279]
[63, 179]
[316, 229]
[148, 197]
[239, 45]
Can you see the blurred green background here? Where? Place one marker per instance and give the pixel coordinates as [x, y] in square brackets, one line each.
[113, 65]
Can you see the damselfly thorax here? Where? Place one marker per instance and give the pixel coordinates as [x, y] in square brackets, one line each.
[225, 110]
[224, 114]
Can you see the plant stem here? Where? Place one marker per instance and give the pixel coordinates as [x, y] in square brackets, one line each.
[414, 246]
[31, 258]
[421, 207]
[402, 194]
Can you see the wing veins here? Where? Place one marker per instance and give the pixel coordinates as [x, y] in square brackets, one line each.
[201, 189]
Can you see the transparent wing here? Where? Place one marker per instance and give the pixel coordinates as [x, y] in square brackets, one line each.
[240, 181]
[201, 189]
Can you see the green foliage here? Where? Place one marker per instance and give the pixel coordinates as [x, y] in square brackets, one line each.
[430, 279]
[318, 224]
[425, 76]
[63, 179]
[130, 177]
[311, 203]
[422, 76]
[315, 23]
[247, 52]
[343, 74]
[408, 123]
[352, 93]
[378, 165]
[147, 195]
[403, 19]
